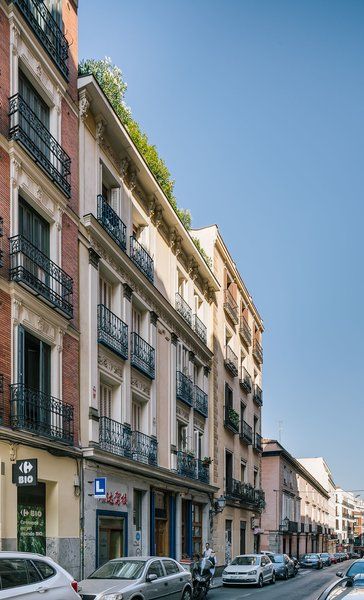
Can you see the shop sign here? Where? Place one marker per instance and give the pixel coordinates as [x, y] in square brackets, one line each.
[31, 529]
[25, 472]
[115, 499]
[100, 487]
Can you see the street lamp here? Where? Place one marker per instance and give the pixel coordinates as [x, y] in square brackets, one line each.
[218, 505]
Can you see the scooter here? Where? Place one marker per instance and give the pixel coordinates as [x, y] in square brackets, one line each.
[201, 579]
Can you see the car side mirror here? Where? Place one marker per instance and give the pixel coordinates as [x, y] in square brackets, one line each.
[340, 574]
[350, 582]
[151, 577]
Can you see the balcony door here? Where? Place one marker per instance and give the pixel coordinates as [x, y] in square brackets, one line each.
[36, 231]
[29, 121]
[228, 471]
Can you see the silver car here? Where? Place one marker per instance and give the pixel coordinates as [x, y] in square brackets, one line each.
[142, 578]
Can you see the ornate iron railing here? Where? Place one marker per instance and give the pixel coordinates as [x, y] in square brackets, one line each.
[47, 31]
[184, 388]
[186, 464]
[231, 306]
[258, 352]
[142, 355]
[231, 420]
[2, 405]
[231, 361]
[144, 448]
[245, 381]
[41, 414]
[112, 331]
[1, 235]
[200, 328]
[245, 493]
[203, 471]
[141, 258]
[201, 403]
[28, 130]
[183, 309]
[34, 270]
[245, 331]
[111, 222]
[259, 499]
[258, 443]
[258, 395]
[246, 432]
[115, 437]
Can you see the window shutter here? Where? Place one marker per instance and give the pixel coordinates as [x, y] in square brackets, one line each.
[114, 199]
[21, 336]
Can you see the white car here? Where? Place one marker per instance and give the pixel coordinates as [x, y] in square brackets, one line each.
[253, 569]
[24, 575]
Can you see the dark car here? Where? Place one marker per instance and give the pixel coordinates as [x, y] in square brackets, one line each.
[311, 560]
[339, 556]
[283, 566]
[356, 568]
[326, 559]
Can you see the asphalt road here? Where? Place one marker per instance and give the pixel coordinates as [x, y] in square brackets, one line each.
[307, 585]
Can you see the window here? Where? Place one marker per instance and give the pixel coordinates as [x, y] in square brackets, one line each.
[33, 574]
[136, 417]
[44, 569]
[182, 437]
[33, 100]
[138, 509]
[170, 567]
[181, 284]
[228, 531]
[228, 396]
[182, 359]
[197, 303]
[156, 569]
[33, 227]
[13, 573]
[105, 400]
[255, 479]
[136, 321]
[111, 538]
[228, 470]
[198, 438]
[105, 293]
[196, 528]
[242, 472]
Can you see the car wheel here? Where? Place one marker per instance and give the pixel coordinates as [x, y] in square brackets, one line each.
[187, 595]
[260, 581]
[273, 580]
[285, 576]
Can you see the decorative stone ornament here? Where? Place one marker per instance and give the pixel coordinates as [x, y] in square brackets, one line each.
[84, 105]
[93, 258]
[153, 318]
[128, 292]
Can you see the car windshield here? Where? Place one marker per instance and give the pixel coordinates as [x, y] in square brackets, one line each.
[277, 558]
[357, 567]
[311, 556]
[242, 561]
[119, 569]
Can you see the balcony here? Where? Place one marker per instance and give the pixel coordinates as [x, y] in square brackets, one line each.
[258, 395]
[258, 443]
[231, 420]
[112, 331]
[47, 31]
[110, 221]
[245, 381]
[191, 467]
[41, 414]
[183, 309]
[200, 329]
[115, 437]
[245, 494]
[35, 271]
[201, 403]
[142, 356]
[231, 307]
[1, 235]
[245, 331]
[29, 131]
[141, 259]
[144, 448]
[231, 361]
[246, 432]
[184, 391]
[319, 529]
[288, 526]
[258, 352]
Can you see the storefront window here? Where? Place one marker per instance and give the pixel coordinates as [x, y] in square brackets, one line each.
[197, 528]
[111, 538]
[161, 523]
[32, 518]
[138, 508]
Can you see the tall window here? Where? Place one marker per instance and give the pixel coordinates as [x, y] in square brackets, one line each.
[182, 437]
[228, 470]
[228, 396]
[138, 509]
[243, 472]
[196, 528]
[105, 292]
[105, 400]
[33, 227]
[136, 417]
[136, 320]
[198, 438]
[182, 359]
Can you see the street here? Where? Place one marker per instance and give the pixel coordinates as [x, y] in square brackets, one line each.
[307, 585]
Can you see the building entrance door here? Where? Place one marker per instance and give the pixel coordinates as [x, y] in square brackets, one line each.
[111, 532]
[242, 537]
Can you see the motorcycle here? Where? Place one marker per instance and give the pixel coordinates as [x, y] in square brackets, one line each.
[201, 578]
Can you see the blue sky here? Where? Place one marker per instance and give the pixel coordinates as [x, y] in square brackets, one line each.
[257, 108]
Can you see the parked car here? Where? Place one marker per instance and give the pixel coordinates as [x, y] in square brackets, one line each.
[348, 588]
[311, 560]
[27, 575]
[152, 576]
[356, 568]
[253, 569]
[334, 559]
[326, 559]
[339, 556]
[283, 566]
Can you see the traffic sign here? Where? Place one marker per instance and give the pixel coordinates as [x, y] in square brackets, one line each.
[25, 472]
[100, 487]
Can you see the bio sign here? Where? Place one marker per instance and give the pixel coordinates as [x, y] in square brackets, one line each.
[31, 528]
[25, 472]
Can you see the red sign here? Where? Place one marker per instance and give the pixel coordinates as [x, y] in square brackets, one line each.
[115, 499]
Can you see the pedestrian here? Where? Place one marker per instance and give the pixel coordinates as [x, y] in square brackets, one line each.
[207, 552]
[212, 560]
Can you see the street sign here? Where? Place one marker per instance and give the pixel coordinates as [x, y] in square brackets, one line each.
[25, 472]
[100, 487]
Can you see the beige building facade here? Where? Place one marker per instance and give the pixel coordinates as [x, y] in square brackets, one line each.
[237, 398]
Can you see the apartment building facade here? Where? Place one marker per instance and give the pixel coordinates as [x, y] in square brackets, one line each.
[39, 340]
[296, 518]
[345, 516]
[236, 442]
[146, 295]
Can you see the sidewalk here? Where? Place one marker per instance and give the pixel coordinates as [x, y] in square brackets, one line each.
[217, 583]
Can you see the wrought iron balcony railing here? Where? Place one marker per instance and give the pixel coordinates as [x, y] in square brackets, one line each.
[231, 306]
[231, 361]
[246, 432]
[245, 381]
[245, 493]
[258, 395]
[258, 443]
[144, 448]
[231, 420]
[203, 471]
[115, 437]
[112, 331]
[47, 31]
[201, 403]
[200, 328]
[35, 271]
[111, 222]
[184, 390]
[258, 352]
[141, 258]
[183, 309]
[142, 355]
[193, 468]
[245, 331]
[41, 414]
[30, 132]
[259, 499]
[1, 235]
